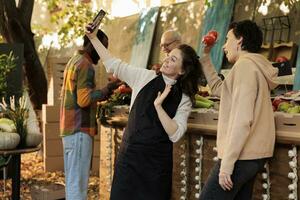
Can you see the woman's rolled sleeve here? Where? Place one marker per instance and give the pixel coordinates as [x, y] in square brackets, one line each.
[181, 118]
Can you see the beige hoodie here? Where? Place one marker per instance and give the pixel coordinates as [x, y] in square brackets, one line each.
[246, 128]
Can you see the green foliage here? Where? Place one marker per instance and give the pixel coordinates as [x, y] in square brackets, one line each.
[105, 109]
[70, 17]
[7, 64]
[17, 111]
[208, 3]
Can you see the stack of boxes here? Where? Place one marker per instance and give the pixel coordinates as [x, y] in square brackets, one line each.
[52, 143]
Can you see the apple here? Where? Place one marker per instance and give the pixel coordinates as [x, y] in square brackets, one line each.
[280, 59]
[213, 33]
[276, 102]
[284, 106]
[294, 110]
[209, 40]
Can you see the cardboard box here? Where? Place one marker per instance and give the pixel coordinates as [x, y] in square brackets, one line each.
[287, 122]
[50, 113]
[97, 137]
[96, 148]
[53, 148]
[49, 192]
[51, 131]
[95, 166]
[54, 163]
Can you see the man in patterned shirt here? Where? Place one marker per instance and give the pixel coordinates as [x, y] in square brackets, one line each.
[78, 116]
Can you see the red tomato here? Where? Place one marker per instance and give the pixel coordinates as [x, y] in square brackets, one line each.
[276, 102]
[213, 33]
[209, 40]
[124, 89]
[280, 59]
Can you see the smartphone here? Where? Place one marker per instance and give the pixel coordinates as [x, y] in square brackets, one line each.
[97, 20]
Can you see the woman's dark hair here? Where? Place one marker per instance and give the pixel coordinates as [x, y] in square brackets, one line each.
[89, 48]
[193, 71]
[251, 33]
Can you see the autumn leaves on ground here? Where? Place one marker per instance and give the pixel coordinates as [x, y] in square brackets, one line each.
[33, 175]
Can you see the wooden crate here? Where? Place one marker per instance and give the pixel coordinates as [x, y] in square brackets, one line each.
[208, 118]
[278, 165]
[287, 122]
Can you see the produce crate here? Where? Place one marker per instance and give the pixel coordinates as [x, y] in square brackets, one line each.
[206, 118]
[287, 122]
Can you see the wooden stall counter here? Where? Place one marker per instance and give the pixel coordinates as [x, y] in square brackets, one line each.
[195, 154]
[205, 123]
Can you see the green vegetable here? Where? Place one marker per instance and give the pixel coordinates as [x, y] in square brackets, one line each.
[201, 98]
[7, 125]
[7, 64]
[202, 104]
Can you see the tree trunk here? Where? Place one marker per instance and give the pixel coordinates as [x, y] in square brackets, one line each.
[15, 28]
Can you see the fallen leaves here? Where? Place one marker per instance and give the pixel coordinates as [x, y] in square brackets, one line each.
[33, 175]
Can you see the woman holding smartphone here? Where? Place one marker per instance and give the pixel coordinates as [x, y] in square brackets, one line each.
[159, 109]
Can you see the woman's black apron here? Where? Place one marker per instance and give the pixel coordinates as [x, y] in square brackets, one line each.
[143, 170]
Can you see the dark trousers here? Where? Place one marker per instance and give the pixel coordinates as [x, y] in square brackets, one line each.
[243, 178]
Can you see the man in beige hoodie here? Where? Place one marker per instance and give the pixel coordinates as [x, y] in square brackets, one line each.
[246, 128]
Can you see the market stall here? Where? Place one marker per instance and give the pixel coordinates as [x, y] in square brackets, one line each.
[195, 154]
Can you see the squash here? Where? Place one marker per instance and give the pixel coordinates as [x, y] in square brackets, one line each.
[33, 139]
[7, 125]
[34, 136]
[9, 140]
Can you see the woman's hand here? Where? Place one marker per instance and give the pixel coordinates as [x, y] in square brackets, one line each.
[225, 181]
[207, 49]
[161, 96]
[88, 32]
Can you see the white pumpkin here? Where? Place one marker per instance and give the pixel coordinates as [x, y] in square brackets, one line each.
[34, 136]
[9, 140]
[33, 139]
